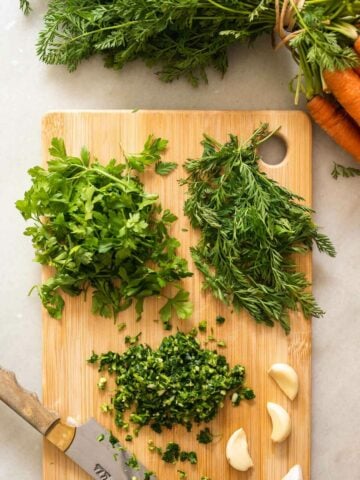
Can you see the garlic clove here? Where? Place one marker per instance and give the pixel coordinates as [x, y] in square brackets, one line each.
[281, 422]
[295, 473]
[237, 452]
[286, 377]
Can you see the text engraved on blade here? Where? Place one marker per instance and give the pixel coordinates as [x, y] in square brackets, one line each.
[101, 473]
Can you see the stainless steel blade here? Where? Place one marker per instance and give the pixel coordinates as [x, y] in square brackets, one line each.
[102, 460]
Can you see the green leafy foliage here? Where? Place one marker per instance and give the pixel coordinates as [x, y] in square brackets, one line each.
[178, 383]
[25, 6]
[205, 436]
[202, 326]
[342, 171]
[183, 39]
[148, 475]
[98, 227]
[325, 31]
[164, 168]
[133, 462]
[180, 38]
[250, 228]
[172, 453]
[180, 305]
[190, 457]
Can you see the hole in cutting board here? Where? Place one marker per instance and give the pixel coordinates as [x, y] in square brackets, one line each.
[273, 151]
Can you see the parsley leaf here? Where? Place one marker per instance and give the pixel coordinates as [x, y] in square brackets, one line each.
[179, 304]
[97, 227]
[151, 153]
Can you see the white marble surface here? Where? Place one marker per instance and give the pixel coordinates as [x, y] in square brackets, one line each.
[256, 80]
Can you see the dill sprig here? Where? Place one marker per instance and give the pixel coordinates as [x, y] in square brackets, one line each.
[250, 228]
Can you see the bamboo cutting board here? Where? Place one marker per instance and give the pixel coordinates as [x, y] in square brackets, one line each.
[69, 384]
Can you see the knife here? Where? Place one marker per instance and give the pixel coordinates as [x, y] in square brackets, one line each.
[100, 459]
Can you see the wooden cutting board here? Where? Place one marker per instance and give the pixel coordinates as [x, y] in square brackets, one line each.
[69, 384]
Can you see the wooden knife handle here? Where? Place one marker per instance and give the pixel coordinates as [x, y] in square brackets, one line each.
[24, 403]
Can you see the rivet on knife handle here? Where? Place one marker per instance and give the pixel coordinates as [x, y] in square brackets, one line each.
[25, 404]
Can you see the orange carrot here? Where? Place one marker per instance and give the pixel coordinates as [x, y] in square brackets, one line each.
[345, 86]
[357, 46]
[336, 123]
[357, 50]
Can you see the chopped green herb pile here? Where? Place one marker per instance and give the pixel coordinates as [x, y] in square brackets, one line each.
[98, 227]
[250, 226]
[178, 383]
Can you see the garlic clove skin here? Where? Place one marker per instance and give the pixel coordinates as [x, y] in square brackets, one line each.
[281, 422]
[286, 378]
[237, 451]
[295, 473]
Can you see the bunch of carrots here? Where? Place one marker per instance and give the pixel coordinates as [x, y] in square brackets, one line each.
[338, 113]
[184, 38]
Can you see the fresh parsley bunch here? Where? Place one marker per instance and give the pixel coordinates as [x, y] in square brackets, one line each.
[250, 228]
[178, 383]
[99, 228]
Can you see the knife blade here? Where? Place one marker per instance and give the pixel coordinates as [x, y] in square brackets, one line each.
[102, 460]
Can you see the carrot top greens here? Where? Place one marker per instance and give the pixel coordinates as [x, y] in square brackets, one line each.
[250, 226]
[98, 227]
[184, 38]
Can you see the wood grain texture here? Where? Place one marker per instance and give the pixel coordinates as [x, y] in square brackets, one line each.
[25, 403]
[69, 384]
